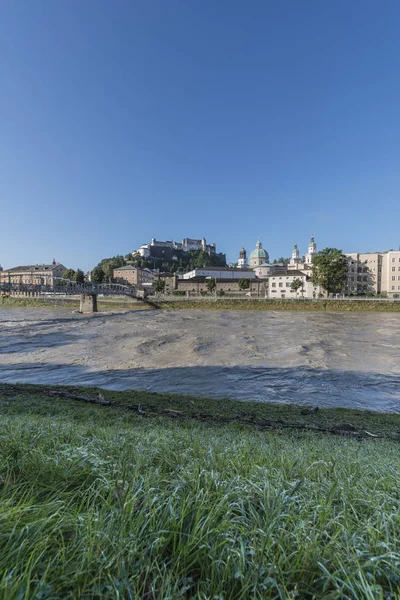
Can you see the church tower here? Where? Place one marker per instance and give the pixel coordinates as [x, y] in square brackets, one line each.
[312, 251]
[294, 261]
[242, 262]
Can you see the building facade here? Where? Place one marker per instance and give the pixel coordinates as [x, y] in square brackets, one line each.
[280, 285]
[220, 273]
[141, 278]
[374, 273]
[34, 274]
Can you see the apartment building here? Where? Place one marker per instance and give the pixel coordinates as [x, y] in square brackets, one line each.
[33, 274]
[374, 273]
[133, 276]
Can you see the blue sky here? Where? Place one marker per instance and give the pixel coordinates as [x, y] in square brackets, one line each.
[122, 121]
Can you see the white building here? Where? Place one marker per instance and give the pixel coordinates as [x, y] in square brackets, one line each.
[280, 285]
[279, 278]
[220, 273]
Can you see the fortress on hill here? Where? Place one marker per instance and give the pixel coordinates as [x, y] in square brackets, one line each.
[169, 250]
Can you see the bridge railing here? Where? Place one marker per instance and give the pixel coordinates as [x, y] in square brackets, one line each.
[64, 287]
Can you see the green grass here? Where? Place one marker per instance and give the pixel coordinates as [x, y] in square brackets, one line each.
[271, 304]
[103, 502]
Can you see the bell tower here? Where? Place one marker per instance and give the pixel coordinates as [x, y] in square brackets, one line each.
[242, 262]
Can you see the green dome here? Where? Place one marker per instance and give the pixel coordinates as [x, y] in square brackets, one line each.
[259, 252]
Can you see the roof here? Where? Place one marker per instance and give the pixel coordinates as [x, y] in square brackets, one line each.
[203, 279]
[127, 268]
[30, 268]
[259, 253]
[219, 269]
[292, 272]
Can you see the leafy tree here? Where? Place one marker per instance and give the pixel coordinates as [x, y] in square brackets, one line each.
[159, 285]
[211, 285]
[79, 276]
[244, 283]
[97, 275]
[69, 274]
[202, 259]
[296, 285]
[109, 264]
[329, 268]
[281, 260]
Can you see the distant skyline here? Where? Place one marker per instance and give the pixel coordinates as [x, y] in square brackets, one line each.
[233, 121]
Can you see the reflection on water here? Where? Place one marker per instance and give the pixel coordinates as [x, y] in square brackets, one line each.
[327, 359]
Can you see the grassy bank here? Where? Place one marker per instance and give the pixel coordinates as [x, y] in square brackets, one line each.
[302, 305]
[159, 496]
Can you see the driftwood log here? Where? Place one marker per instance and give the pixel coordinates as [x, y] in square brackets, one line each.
[101, 401]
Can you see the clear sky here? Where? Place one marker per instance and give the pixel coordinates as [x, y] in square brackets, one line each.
[121, 121]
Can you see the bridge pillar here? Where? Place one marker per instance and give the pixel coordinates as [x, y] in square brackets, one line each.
[88, 303]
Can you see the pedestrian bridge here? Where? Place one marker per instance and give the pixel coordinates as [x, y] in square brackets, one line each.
[87, 291]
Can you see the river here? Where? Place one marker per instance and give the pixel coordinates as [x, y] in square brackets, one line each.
[308, 358]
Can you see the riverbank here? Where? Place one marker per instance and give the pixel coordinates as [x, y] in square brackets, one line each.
[291, 305]
[104, 304]
[212, 304]
[163, 496]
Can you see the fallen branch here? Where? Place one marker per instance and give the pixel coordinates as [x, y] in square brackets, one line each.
[101, 401]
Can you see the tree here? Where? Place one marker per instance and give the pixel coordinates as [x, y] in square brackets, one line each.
[159, 285]
[329, 268]
[69, 274]
[79, 276]
[211, 285]
[296, 285]
[281, 261]
[97, 275]
[244, 283]
[109, 264]
[202, 260]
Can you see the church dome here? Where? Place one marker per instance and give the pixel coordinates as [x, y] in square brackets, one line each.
[259, 252]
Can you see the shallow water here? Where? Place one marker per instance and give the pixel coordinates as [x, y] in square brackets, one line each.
[326, 359]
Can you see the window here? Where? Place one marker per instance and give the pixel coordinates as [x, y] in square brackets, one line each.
[393, 277]
[280, 284]
[287, 284]
[365, 278]
[393, 268]
[393, 259]
[393, 287]
[274, 284]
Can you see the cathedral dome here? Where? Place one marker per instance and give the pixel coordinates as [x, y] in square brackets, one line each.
[259, 253]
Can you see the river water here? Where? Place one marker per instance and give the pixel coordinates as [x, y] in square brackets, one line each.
[307, 358]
